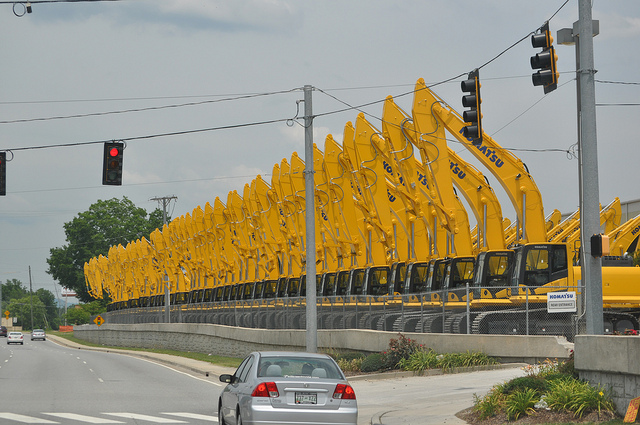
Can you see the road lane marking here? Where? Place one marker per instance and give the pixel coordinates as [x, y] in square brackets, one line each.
[139, 417]
[84, 418]
[192, 416]
[25, 419]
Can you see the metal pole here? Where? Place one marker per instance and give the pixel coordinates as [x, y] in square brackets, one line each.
[31, 294]
[310, 220]
[590, 213]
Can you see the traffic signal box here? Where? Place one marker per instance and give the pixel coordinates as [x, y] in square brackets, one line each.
[112, 163]
[473, 116]
[545, 61]
[3, 173]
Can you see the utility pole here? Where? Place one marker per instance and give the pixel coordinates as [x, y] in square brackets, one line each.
[165, 200]
[31, 293]
[582, 35]
[310, 221]
[590, 215]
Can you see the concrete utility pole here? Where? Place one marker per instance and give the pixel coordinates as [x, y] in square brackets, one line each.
[31, 295]
[165, 200]
[310, 221]
[590, 211]
[582, 35]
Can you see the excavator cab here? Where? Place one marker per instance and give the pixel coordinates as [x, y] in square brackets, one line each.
[416, 279]
[492, 273]
[537, 265]
[459, 272]
[376, 281]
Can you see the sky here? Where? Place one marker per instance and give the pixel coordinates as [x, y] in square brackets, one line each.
[189, 85]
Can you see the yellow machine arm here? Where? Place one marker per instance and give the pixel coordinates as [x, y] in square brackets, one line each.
[506, 167]
[624, 239]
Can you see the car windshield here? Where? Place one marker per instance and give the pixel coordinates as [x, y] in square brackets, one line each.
[288, 366]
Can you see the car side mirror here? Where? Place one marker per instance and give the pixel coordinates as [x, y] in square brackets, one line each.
[226, 378]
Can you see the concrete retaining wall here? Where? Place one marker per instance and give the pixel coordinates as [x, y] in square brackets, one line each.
[612, 361]
[237, 342]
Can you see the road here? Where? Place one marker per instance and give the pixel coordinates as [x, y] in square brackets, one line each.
[42, 382]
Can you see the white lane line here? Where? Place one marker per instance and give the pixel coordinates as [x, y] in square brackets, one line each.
[25, 419]
[84, 418]
[192, 416]
[139, 417]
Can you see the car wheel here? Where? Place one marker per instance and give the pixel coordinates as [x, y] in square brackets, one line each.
[220, 416]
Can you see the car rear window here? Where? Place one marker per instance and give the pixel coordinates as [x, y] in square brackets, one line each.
[298, 366]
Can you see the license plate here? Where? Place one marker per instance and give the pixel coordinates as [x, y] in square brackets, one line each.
[306, 398]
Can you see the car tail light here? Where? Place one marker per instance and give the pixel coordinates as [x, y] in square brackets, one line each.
[344, 392]
[266, 389]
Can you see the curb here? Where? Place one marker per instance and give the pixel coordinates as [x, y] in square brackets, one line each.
[433, 372]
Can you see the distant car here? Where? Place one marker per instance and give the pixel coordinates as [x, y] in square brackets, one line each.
[3, 331]
[15, 338]
[38, 334]
[287, 388]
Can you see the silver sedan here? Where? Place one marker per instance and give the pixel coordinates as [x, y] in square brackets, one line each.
[287, 388]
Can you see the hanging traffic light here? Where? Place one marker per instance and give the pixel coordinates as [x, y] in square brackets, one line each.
[3, 173]
[473, 116]
[545, 61]
[112, 163]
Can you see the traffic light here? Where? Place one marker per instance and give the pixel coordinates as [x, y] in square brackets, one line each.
[472, 100]
[112, 163]
[3, 173]
[545, 61]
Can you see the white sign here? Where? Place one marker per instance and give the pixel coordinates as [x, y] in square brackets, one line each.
[561, 302]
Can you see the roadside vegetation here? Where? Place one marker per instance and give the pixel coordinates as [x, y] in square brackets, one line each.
[550, 392]
[406, 354]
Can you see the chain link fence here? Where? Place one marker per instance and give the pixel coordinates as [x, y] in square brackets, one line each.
[494, 310]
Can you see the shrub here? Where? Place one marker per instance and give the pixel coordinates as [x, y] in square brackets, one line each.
[353, 365]
[560, 393]
[590, 399]
[349, 356]
[373, 362]
[520, 402]
[489, 405]
[400, 348]
[525, 383]
[420, 361]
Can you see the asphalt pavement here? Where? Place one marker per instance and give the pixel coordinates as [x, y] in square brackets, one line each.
[392, 398]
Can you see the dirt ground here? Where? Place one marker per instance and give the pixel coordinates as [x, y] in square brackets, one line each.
[539, 417]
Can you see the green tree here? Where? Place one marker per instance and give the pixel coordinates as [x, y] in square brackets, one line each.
[13, 289]
[51, 306]
[21, 309]
[93, 232]
[77, 316]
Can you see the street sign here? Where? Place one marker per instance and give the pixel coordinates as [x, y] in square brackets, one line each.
[561, 302]
[632, 411]
[98, 320]
[6, 314]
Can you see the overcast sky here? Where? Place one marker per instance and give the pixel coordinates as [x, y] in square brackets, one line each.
[72, 73]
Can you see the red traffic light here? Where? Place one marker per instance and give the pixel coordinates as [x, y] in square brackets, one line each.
[112, 163]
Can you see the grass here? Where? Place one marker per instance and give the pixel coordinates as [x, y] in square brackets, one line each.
[232, 362]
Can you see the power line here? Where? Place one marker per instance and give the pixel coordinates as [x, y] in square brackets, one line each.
[149, 108]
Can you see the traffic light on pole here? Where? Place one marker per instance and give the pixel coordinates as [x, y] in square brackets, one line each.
[3, 173]
[112, 163]
[545, 61]
[473, 116]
